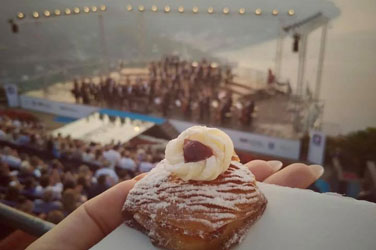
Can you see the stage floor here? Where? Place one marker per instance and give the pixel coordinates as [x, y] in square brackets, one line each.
[93, 128]
[274, 114]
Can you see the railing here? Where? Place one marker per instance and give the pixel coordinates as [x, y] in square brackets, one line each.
[19, 220]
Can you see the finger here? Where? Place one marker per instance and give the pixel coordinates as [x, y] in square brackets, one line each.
[297, 175]
[89, 223]
[263, 169]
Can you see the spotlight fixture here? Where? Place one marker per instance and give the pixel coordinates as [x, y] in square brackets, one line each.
[46, 13]
[226, 10]
[94, 8]
[86, 9]
[67, 11]
[141, 8]
[258, 11]
[57, 12]
[210, 10]
[35, 14]
[195, 9]
[275, 12]
[291, 12]
[103, 7]
[129, 7]
[214, 65]
[241, 11]
[20, 15]
[181, 9]
[154, 8]
[167, 9]
[76, 10]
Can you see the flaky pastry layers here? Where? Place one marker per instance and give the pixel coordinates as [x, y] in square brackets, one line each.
[179, 214]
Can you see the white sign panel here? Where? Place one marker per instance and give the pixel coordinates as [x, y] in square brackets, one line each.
[316, 147]
[56, 108]
[253, 142]
[11, 91]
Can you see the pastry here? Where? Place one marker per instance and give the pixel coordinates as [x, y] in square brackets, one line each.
[199, 197]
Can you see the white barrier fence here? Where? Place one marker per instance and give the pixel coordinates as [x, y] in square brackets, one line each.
[242, 140]
[253, 142]
[56, 108]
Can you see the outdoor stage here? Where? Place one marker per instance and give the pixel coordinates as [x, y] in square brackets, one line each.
[274, 114]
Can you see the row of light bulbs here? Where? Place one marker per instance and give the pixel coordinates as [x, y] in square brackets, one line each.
[140, 8]
[67, 11]
[210, 10]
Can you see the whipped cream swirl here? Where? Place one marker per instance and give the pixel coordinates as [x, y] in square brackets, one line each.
[204, 170]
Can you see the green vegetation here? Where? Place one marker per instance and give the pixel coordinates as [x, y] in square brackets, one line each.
[354, 149]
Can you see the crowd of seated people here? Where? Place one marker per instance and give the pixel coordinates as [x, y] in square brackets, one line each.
[51, 187]
[194, 90]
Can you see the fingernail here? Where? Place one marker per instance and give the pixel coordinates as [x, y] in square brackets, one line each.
[275, 165]
[139, 177]
[317, 170]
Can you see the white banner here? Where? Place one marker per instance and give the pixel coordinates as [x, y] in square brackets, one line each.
[56, 108]
[11, 91]
[253, 142]
[316, 147]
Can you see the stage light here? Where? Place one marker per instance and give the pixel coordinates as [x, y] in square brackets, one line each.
[46, 13]
[275, 12]
[258, 11]
[20, 15]
[129, 7]
[215, 104]
[67, 11]
[226, 10]
[195, 9]
[86, 9]
[35, 14]
[76, 10]
[210, 10]
[291, 12]
[137, 128]
[214, 65]
[57, 12]
[141, 8]
[103, 7]
[94, 8]
[154, 8]
[167, 9]
[181, 9]
[241, 11]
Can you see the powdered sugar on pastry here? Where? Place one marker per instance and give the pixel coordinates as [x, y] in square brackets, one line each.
[209, 205]
[200, 197]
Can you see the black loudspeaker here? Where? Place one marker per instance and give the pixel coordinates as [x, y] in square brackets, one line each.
[295, 45]
[13, 26]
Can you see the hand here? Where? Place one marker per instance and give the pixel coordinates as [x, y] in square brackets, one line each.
[96, 218]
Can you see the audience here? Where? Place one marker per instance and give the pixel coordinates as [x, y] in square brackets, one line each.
[53, 188]
[98, 187]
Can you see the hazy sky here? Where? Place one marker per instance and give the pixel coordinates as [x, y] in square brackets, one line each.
[349, 77]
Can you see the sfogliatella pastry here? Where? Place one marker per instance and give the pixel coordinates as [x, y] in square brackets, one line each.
[199, 197]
